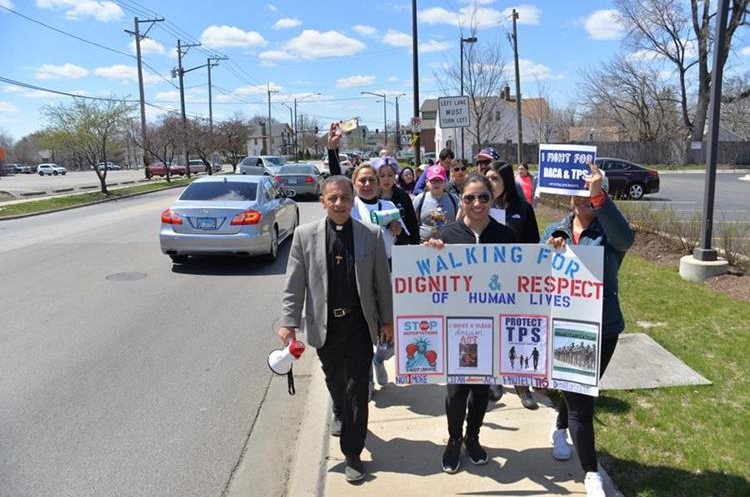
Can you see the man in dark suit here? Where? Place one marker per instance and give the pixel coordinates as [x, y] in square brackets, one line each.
[339, 271]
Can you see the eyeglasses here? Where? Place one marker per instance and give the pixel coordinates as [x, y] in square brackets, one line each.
[459, 168]
[364, 181]
[483, 198]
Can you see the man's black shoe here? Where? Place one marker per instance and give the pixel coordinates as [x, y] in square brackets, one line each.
[452, 455]
[335, 427]
[527, 399]
[496, 392]
[477, 455]
[355, 470]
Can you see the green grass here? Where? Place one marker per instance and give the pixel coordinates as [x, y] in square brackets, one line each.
[690, 441]
[53, 203]
[681, 441]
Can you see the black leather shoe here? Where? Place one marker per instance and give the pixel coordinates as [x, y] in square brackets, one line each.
[527, 399]
[496, 392]
[355, 470]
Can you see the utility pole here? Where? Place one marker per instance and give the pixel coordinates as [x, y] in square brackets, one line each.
[269, 128]
[296, 153]
[415, 76]
[138, 37]
[181, 72]
[472, 39]
[211, 62]
[398, 126]
[291, 121]
[385, 120]
[518, 91]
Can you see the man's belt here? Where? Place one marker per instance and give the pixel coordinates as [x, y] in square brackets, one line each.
[340, 312]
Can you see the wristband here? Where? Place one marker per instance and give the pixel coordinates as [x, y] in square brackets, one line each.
[598, 201]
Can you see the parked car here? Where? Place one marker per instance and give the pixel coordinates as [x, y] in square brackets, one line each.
[110, 166]
[344, 160]
[428, 156]
[197, 166]
[628, 179]
[256, 165]
[158, 169]
[228, 215]
[50, 169]
[304, 179]
[20, 168]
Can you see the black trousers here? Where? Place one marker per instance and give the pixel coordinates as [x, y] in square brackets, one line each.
[577, 413]
[457, 398]
[346, 358]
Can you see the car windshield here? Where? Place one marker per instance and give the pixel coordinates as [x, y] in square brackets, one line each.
[297, 170]
[276, 161]
[220, 191]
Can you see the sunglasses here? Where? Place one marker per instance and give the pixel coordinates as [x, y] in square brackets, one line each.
[459, 168]
[483, 198]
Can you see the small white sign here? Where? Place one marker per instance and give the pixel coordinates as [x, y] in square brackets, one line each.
[453, 112]
[696, 145]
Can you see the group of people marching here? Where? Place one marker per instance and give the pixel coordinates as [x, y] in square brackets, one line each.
[339, 273]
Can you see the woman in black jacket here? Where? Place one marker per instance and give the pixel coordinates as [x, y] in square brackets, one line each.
[520, 217]
[476, 226]
[387, 169]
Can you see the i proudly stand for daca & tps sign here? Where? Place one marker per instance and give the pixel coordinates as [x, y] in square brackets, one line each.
[517, 314]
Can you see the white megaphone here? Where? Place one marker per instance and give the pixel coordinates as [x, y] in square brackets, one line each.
[280, 361]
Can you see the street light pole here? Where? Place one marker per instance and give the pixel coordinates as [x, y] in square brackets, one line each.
[519, 122]
[415, 77]
[296, 152]
[385, 120]
[398, 126]
[472, 39]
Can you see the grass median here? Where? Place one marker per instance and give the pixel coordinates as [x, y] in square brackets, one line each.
[79, 199]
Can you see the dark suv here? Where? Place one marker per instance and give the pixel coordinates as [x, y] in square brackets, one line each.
[627, 179]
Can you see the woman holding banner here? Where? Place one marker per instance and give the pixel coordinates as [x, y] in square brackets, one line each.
[476, 226]
[594, 220]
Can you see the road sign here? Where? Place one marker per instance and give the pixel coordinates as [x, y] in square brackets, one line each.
[416, 123]
[453, 112]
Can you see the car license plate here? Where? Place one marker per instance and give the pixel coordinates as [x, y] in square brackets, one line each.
[206, 223]
[292, 181]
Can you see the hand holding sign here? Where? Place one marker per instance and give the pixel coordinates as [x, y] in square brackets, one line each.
[594, 180]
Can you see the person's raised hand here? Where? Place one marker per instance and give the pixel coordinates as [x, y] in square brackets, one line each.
[334, 136]
[594, 180]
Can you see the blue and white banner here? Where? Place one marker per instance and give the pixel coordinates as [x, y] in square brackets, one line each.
[563, 167]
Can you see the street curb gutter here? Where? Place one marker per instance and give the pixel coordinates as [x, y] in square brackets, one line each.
[307, 477]
[121, 197]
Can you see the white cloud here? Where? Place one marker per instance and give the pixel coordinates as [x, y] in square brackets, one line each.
[312, 44]
[125, 73]
[275, 55]
[434, 46]
[605, 25]
[286, 23]
[231, 36]
[354, 81]
[7, 108]
[365, 30]
[148, 46]
[173, 96]
[271, 7]
[79, 9]
[397, 39]
[745, 51]
[256, 89]
[465, 17]
[6, 3]
[65, 71]
[643, 55]
[530, 71]
[527, 14]
[393, 79]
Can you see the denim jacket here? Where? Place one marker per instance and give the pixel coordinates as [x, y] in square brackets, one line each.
[611, 230]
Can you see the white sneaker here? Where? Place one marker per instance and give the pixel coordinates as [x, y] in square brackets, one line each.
[561, 449]
[594, 485]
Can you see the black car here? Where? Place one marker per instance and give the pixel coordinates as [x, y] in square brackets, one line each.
[628, 179]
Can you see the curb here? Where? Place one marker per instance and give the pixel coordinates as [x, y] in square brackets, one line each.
[307, 477]
[121, 197]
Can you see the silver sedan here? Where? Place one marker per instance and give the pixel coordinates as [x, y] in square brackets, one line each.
[304, 179]
[228, 215]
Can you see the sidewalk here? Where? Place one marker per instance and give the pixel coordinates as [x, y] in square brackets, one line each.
[407, 435]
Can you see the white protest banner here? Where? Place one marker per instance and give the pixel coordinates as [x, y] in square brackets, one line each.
[453, 112]
[562, 168]
[520, 314]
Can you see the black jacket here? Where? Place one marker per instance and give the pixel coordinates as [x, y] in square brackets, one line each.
[520, 217]
[402, 200]
[458, 232]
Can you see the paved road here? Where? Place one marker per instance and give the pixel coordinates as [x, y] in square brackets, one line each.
[684, 193]
[121, 375]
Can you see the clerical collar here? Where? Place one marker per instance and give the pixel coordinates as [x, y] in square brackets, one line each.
[339, 227]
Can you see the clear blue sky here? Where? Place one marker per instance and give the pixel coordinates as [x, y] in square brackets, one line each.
[337, 49]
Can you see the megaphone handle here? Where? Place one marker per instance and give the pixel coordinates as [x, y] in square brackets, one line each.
[290, 381]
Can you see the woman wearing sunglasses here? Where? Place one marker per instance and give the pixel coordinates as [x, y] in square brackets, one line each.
[469, 402]
[519, 216]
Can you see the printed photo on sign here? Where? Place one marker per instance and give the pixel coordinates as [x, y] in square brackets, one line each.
[575, 351]
[419, 340]
[562, 168]
[523, 345]
[470, 345]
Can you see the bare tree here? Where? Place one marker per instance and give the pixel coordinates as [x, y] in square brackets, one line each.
[231, 139]
[484, 79]
[87, 128]
[684, 39]
[633, 96]
[735, 107]
[202, 142]
[163, 140]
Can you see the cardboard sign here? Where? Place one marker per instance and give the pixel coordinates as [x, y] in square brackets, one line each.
[519, 314]
[563, 167]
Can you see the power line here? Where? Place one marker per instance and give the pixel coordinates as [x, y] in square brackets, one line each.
[59, 92]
